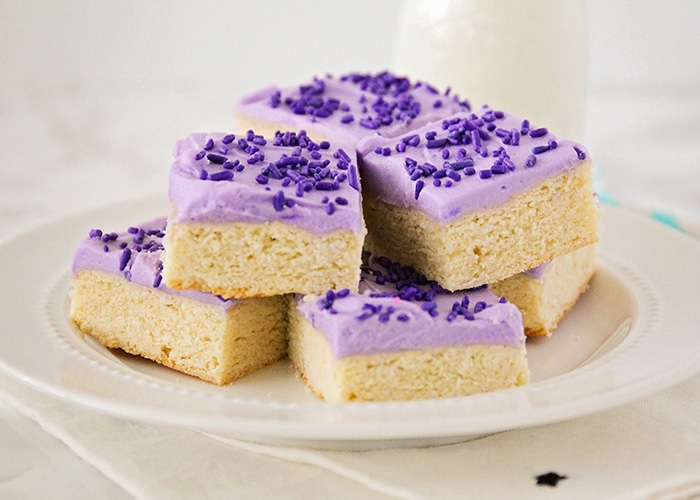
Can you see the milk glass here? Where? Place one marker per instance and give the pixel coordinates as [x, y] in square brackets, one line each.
[527, 57]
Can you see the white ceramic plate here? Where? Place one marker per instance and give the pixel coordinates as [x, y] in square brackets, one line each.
[634, 332]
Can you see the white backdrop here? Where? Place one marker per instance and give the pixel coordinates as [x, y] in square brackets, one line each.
[123, 80]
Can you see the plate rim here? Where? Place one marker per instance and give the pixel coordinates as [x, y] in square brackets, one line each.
[288, 428]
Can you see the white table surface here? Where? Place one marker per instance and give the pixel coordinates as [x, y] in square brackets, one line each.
[73, 144]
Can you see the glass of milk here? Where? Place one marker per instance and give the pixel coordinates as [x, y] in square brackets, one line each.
[527, 57]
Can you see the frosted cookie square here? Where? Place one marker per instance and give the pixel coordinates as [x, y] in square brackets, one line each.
[253, 216]
[346, 108]
[118, 298]
[546, 293]
[404, 337]
[477, 197]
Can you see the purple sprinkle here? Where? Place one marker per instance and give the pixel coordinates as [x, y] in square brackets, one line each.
[368, 123]
[436, 143]
[200, 155]
[353, 179]
[341, 201]
[330, 208]
[479, 306]
[385, 317]
[428, 306]
[124, 260]
[276, 99]
[530, 161]
[325, 186]
[581, 155]
[538, 132]
[95, 233]
[413, 140]
[203, 175]
[476, 138]
[453, 175]
[540, 149]
[501, 132]
[419, 187]
[515, 137]
[403, 317]
[465, 163]
[218, 159]
[525, 127]
[485, 174]
[157, 280]
[347, 118]
[224, 175]
[261, 179]
[209, 144]
[342, 154]
[498, 169]
[552, 144]
[278, 201]
[228, 139]
[343, 293]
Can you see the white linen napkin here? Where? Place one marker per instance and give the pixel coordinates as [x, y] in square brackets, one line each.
[647, 449]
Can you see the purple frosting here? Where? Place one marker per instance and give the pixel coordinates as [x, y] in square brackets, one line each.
[463, 163]
[536, 273]
[398, 309]
[221, 177]
[134, 255]
[352, 106]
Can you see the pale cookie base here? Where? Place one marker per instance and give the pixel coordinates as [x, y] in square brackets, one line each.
[246, 260]
[554, 218]
[544, 302]
[421, 374]
[193, 337]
